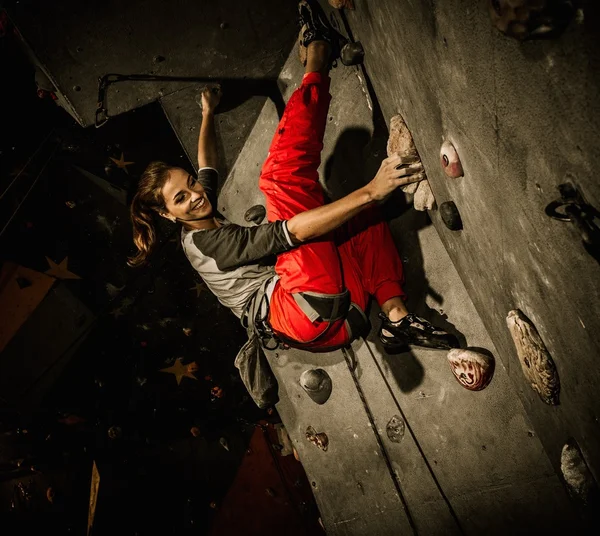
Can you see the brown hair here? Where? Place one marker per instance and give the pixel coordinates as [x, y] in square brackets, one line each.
[147, 200]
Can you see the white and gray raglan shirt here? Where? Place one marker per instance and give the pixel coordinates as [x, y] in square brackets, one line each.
[233, 260]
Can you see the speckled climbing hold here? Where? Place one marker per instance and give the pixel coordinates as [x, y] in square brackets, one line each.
[319, 439]
[473, 370]
[395, 429]
[531, 19]
[578, 477]
[536, 362]
[342, 4]
[401, 142]
[424, 198]
[451, 216]
[317, 384]
[450, 161]
[255, 214]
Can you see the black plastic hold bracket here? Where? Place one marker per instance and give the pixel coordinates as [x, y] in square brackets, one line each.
[572, 207]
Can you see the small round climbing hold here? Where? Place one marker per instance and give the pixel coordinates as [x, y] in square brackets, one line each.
[473, 370]
[395, 429]
[352, 54]
[318, 439]
[451, 216]
[255, 214]
[317, 384]
[450, 161]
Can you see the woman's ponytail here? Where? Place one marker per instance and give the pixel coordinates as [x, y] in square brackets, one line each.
[147, 202]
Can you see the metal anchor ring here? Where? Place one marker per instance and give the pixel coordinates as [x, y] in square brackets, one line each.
[552, 210]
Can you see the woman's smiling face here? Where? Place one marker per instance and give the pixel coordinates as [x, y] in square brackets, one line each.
[185, 198]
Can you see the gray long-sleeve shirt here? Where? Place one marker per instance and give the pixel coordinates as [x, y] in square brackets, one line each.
[233, 260]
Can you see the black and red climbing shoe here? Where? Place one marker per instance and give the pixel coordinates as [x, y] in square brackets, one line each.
[413, 330]
[316, 27]
[315, 23]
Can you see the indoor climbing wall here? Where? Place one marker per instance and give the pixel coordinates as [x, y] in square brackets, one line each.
[501, 101]
[423, 442]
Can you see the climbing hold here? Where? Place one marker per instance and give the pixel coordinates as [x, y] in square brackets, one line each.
[319, 439]
[395, 429]
[115, 432]
[473, 370]
[451, 216]
[401, 142]
[578, 477]
[531, 19]
[424, 198]
[223, 442]
[536, 362]
[255, 214]
[317, 384]
[341, 4]
[352, 54]
[450, 161]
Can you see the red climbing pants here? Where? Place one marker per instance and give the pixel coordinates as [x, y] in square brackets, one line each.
[360, 256]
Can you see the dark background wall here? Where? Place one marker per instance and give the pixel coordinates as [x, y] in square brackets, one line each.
[524, 117]
[80, 378]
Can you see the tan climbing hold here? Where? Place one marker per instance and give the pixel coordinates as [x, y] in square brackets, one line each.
[473, 370]
[342, 4]
[401, 142]
[424, 198]
[536, 362]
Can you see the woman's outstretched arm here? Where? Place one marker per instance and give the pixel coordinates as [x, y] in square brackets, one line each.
[394, 172]
[207, 140]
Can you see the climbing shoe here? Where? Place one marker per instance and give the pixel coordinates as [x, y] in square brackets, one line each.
[316, 27]
[314, 23]
[413, 330]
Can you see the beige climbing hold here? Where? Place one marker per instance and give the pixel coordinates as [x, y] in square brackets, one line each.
[340, 4]
[424, 198]
[578, 477]
[401, 142]
[473, 370]
[536, 362]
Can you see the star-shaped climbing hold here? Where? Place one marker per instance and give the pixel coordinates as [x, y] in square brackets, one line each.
[60, 270]
[180, 370]
[121, 164]
[199, 288]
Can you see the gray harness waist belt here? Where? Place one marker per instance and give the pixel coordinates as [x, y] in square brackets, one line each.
[316, 306]
[325, 307]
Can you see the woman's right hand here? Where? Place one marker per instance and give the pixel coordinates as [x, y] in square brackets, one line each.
[395, 171]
